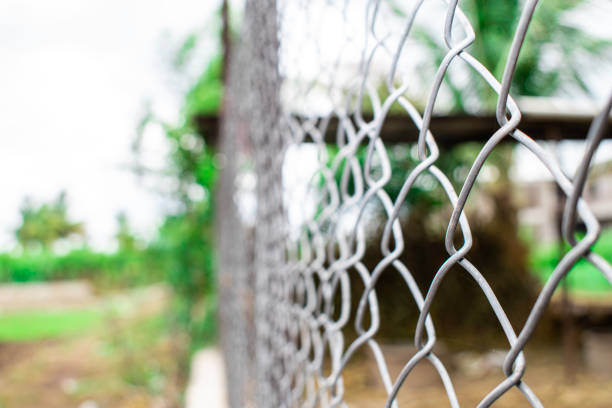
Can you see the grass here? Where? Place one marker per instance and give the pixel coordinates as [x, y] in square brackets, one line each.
[583, 277]
[45, 324]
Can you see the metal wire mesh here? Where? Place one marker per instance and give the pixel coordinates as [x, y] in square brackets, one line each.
[288, 245]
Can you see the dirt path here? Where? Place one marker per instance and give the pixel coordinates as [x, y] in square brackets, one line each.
[127, 361]
[28, 296]
[544, 374]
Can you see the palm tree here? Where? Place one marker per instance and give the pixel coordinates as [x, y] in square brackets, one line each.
[553, 59]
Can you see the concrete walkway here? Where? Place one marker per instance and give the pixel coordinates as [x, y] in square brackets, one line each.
[207, 388]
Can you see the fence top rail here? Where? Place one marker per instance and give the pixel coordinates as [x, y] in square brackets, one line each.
[452, 129]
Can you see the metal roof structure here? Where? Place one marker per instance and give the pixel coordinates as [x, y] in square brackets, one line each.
[454, 129]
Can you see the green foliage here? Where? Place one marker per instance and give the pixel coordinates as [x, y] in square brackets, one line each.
[551, 59]
[583, 276]
[184, 53]
[185, 238]
[125, 237]
[44, 324]
[43, 225]
[455, 162]
[494, 23]
[119, 269]
[205, 96]
[184, 243]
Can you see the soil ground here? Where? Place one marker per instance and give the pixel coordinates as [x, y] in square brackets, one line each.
[545, 374]
[128, 360]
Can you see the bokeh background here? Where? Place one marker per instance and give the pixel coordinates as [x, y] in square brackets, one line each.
[109, 113]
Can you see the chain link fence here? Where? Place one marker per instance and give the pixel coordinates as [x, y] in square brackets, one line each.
[304, 161]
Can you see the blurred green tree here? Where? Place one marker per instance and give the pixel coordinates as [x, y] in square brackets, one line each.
[43, 225]
[126, 240]
[185, 239]
[553, 59]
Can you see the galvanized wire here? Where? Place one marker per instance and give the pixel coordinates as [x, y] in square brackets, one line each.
[284, 308]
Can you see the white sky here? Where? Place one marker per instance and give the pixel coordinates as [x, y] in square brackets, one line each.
[74, 78]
